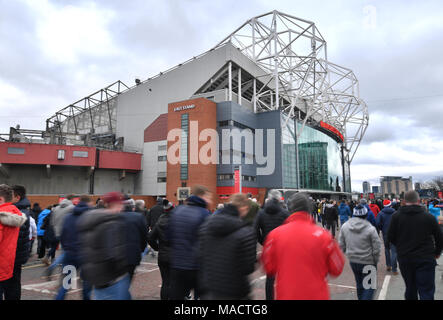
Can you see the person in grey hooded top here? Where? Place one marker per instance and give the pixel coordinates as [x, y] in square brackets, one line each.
[360, 242]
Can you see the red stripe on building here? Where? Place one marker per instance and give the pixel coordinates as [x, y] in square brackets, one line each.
[119, 160]
[42, 154]
[231, 190]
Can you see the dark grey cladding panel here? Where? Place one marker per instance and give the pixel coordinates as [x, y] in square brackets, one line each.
[229, 110]
[267, 120]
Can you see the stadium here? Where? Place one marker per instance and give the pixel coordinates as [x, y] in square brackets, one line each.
[270, 79]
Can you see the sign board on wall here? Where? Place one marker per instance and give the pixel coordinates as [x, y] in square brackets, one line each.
[183, 193]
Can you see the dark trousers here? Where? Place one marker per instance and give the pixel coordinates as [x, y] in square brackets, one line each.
[182, 281]
[131, 271]
[331, 225]
[270, 287]
[165, 272]
[419, 277]
[41, 247]
[362, 293]
[11, 289]
[52, 248]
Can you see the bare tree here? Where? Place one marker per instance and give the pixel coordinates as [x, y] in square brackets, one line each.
[436, 183]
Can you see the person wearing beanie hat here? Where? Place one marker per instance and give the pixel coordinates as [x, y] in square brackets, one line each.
[298, 252]
[136, 236]
[158, 241]
[383, 221]
[360, 242]
[270, 217]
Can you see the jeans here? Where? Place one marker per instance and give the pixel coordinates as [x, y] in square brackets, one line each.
[118, 291]
[182, 281]
[11, 289]
[343, 220]
[419, 277]
[270, 287]
[56, 262]
[41, 247]
[67, 259]
[362, 293]
[391, 255]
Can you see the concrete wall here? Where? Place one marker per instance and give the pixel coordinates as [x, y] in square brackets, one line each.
[151, 168]
[65, 180]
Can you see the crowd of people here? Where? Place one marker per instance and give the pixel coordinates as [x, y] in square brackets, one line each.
[210, 255]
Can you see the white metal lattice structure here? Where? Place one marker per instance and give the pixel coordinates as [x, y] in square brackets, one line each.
[299, 78]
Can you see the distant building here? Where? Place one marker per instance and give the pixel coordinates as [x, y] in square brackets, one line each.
[376, 189]
[366, 187]
[395, 186]
[417, 186]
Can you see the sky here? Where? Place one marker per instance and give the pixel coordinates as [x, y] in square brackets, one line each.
[53, 53]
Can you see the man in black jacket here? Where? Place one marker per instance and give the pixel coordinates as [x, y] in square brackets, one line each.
[103, 249]
[23, 242]
[158, 241]
[331, 217]
[269, 218]
[228, 252]
[137, 238]
[419, 242]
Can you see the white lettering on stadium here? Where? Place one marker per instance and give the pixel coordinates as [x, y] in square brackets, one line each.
[192, 106]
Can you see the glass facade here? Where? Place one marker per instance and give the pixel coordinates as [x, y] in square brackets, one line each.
[319, 159]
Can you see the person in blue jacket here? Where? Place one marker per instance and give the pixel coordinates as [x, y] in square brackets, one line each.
[41, 250]
[371, 216]
[344, 212]
[435, 211]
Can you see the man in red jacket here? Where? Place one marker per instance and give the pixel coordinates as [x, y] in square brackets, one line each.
[374, 208]
[301, 255]
[10, 221]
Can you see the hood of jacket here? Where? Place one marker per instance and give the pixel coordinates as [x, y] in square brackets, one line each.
[80, 208]
[12, 219]
[225, 222]
[414, 209]
[273, 206]
[358, 225]
[196, 201]
[65, 203]
[23, 204]
[93, 218]
[388, 210]
[342, 205]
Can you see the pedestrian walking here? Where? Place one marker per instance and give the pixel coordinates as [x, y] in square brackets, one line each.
[158, 240]
[103, 249]
[331, 217]
[419, 242]
[270, 217]
[11, 221]
[383, 221]
[434, 210]
[360, 242]
[374, 208]
[228, 252]
[370, 215]
[70, 241]
[24, 243]
[253, 210]
[301, 255]
[344, 212]
[183, 230]
[137, 235]
[41, 245]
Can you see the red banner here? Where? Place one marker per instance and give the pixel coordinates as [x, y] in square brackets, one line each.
[371, 196]
[237, 181]
[440, 194]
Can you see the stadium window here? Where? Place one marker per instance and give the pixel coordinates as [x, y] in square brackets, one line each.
[16, 150]
[80, 154]
[162, 158]
[161, 179]
[162, 147]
